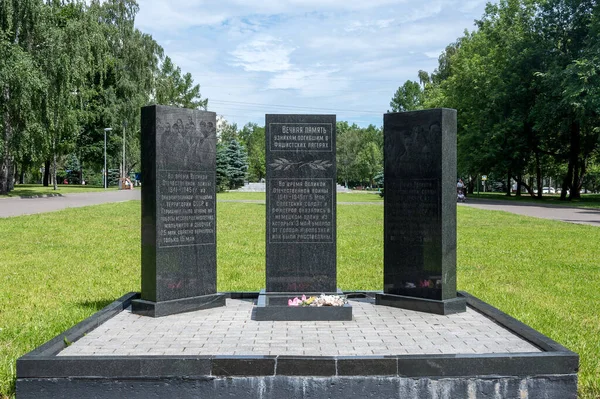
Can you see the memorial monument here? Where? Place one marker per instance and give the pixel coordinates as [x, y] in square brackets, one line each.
[419, 269]
[179, 265]
[301, 216]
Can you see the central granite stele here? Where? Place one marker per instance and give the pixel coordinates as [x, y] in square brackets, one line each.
[301, 218]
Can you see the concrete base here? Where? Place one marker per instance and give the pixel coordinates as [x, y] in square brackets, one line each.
[445, 307]
[549, 373]
[273, 306]
[165, 308]
[277, 387]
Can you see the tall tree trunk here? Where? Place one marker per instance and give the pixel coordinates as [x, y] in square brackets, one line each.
[574, 160]
[46, 181]
[538, 175]
[54, 146]
[566, 182]
[519, 185]
[508, 185]
[17, 173]
[5, 156]
[11, 174]
[54, 170]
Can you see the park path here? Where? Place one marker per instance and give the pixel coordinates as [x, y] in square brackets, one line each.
[26, 206]
[587, 216]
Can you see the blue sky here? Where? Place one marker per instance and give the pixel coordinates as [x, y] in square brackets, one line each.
[342, 57]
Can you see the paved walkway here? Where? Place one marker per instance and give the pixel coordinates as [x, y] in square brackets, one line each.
[374, 330]
[555, 212]
[28, 206]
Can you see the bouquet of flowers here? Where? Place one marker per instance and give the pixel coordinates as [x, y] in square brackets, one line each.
[321, 300]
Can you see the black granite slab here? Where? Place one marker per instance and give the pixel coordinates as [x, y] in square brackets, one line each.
[178, 210]
[420, 207]
[443, 307]
[275, 307]
[165, 308]
[301, 203]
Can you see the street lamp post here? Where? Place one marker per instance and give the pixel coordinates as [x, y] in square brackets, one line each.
[106, 129]
[123, 169]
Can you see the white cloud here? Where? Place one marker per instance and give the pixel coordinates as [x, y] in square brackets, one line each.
[252, 58]
[263, 54]
[433, 54]
[317, 82]
[368, 26]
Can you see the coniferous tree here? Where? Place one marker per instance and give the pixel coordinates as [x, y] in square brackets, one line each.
[237, 164]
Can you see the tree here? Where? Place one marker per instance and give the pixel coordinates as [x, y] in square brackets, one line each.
[525, 85]
[569, 97]
[222, 177]
[226, 131]
[347, 143]
[124, 82]
[358, 153]
[21, 84]
[369, 162]
[253, 138]
[173, 88]
[237, 164]
[66, 59]
[408, 97]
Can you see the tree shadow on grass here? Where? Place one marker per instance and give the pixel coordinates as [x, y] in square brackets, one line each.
[96, 305]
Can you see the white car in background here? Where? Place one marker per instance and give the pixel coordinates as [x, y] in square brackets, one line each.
[548, 190]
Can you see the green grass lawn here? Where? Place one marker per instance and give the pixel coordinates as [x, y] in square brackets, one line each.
[59, 268]
[586, 201]
[36, 190]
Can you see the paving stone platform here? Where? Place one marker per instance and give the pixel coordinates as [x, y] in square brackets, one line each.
[375, 330]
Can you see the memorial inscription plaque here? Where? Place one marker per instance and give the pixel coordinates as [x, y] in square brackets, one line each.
[178, 211]
[420, 211]
[301, 208]
[301, 217]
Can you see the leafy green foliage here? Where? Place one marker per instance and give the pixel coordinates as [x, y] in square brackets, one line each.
[70, 69]
[525, 85]
[408, 97]
[253, 138]
[359, 153]
[173, 88]
[237, 164]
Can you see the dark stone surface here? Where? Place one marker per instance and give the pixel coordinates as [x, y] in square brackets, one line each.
[227, 366]
[175, 366]
[275, 307]
[165, 308]
[376, 365]
[301, 203]
[420, 204]
[178, 203]
[444, 307]
[289, 387]
[313, 366]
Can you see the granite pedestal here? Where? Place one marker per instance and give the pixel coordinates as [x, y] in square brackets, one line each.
[300, 216]
[179, 266]
[419, 270]
[274, 306]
